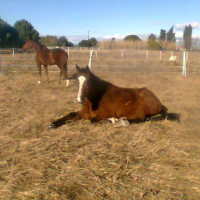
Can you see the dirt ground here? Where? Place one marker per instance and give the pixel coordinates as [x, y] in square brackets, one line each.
[80, 160]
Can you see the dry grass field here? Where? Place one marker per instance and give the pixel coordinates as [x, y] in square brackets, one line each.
[82, 161]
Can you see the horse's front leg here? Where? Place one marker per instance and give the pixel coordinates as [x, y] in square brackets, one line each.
[73, 116]
[40, 72]
[46, 73]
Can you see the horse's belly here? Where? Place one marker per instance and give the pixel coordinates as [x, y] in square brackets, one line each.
[48, 61]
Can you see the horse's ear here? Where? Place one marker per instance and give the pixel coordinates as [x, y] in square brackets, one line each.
[87, 68]
[78, 68]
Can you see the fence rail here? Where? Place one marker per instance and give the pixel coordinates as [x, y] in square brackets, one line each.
[16, 58]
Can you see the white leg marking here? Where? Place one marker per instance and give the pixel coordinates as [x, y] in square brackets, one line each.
[39, 81]
[119, 122]
[81, 82]
[113, 120]
[67, 83]
[124, 121]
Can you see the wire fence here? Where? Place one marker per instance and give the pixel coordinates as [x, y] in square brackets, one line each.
[18, 60]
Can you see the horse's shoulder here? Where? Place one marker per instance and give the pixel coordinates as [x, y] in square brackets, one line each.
[42, 52]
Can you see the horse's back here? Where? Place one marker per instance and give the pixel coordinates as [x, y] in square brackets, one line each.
[44, 56]
[59, 54]
[51, 57]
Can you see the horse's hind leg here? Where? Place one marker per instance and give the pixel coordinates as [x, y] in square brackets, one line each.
[65, 73]
[60, 76]
[46, 73]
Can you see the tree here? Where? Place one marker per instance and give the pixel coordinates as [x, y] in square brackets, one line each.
[49, 40]
[83, 43]
[162, 36]
[93, 42]
[88, 43]
[152, 37]
[8, 35]
[132, 38]
[171, 35]
[25, 31]
[152, 43]
[187, 37]
[63, 41]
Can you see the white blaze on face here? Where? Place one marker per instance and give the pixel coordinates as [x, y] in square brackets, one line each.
[81, 80]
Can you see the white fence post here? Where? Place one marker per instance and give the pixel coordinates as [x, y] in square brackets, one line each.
[187, 56]
[147, 54]
[90, 59]
[13, 53]
[184, 64]
[122, 53]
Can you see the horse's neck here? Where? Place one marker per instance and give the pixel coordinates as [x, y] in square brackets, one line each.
[37, 46]
[97, 86]
[96, 90]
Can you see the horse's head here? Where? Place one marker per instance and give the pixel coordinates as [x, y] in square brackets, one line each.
[29, 45]
[83, 75]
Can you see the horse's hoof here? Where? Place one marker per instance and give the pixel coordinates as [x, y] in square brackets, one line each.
[52, 125]
[67, 83]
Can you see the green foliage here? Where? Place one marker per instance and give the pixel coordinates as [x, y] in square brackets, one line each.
[8, 35]
[63, 41]
[55, 41]
[132, 38]
[23, 30]
[49, 40]
[152, 37]
[152, 44]
[162, 36]
[171, 35]
[26, 31]
[88, 43]
[187, 37]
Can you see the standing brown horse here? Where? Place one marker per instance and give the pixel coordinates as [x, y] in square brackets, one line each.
[102, 100]
[45, 56]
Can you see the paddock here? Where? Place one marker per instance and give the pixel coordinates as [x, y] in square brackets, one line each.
[17, 61]
[151, 160]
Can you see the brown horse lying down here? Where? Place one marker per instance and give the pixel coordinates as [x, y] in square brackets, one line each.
[45, 56]
[102, 100]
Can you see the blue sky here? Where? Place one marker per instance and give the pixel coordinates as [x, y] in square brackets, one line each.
[103, 19]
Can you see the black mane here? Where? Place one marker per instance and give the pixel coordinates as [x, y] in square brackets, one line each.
[97, 87]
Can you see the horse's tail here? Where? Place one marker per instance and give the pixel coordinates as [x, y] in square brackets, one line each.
[170, 116]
